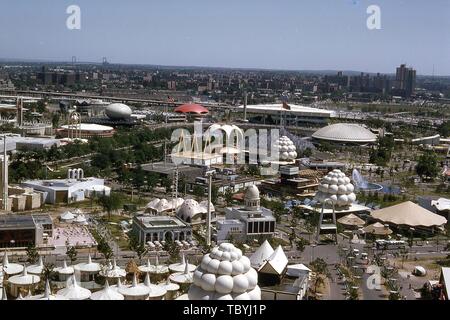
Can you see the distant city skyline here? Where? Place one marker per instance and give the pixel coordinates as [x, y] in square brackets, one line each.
[265, 34]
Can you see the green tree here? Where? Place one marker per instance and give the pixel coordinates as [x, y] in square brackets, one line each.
[72, 253]
[104, 248]
[228, 196]
[32, 254]
[110, 203]
[198, 191]
[173, 250]
[427, 166]
[137, 246]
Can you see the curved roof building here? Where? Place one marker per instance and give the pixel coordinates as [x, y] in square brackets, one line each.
[345, 133]
[118, 111]
[192, 108]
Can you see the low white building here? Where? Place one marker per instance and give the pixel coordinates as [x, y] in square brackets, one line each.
[67, 190]
[248, 222]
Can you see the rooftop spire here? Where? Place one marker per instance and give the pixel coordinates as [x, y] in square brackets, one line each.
[89, 259]
[147, 281]
[134, 280]
[64, 264]
[186, 267]
[183, 259]
[40, 262]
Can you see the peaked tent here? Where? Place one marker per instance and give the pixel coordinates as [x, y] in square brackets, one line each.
[263, 253]
[276, 263]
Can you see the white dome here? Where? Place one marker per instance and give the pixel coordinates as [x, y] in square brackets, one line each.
[224, 274]
[336, 187]
[252, 193]
[118, 111]
[345, 132]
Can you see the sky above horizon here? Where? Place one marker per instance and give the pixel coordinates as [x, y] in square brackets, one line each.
[269, 34]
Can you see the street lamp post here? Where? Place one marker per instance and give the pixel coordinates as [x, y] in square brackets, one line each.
[209, 174]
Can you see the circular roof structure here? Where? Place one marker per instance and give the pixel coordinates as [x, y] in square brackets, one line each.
[225, 274]
[107, 294]
[74, 292]
[36, 269]
[181, 266]
[90, 127]
[67, 216]
[169, 286]
[155, 290]
[65, 269]
[345, 132]
[192, 108]
[118, 111]
[10, 268]
[89, 266]
[24, 279]
[135, 290]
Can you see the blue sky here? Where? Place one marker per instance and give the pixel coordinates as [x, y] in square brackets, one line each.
[283, 34]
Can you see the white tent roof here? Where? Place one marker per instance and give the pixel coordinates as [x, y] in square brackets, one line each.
[80, 219]
[161, 205]
[74, 292]
[10, 268]
[410, 214]
[169, 286]
[183, 277]
[67, 216]
[296, 270]
[36, 268]
[107, 293]
[155, 291]
[24, 278]
[135, 290]
[262, 254]
[78, 211]
[65, 269]
[276, 263]
[89, 266]
[181, 266]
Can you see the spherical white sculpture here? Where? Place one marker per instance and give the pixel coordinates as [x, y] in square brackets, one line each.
[336, 187]
[225, 274]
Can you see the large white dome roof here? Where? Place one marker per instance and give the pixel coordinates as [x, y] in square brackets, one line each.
[345, 132]
[118, 111]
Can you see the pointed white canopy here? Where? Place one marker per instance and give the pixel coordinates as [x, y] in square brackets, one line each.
[74, 291]
[80, 219]
[24, 279]
[155, 291]
[89, 266]
[135, 290]
[47, 294]
[107, 294]
[263, 253]
[10, 268]
[65, 269]
[36, 268]
[276, 263]
[66, 216]
[169, 286]
[183, 277]
[181, 266]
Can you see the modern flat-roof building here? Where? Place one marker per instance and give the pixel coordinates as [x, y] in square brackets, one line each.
[159, 228]
[23, 230]
[290, 114]
[67, 190]
[248, 222]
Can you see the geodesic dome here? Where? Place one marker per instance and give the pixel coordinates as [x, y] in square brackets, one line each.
[337, 187]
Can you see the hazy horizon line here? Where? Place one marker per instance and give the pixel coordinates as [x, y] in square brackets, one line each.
[45, 60]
